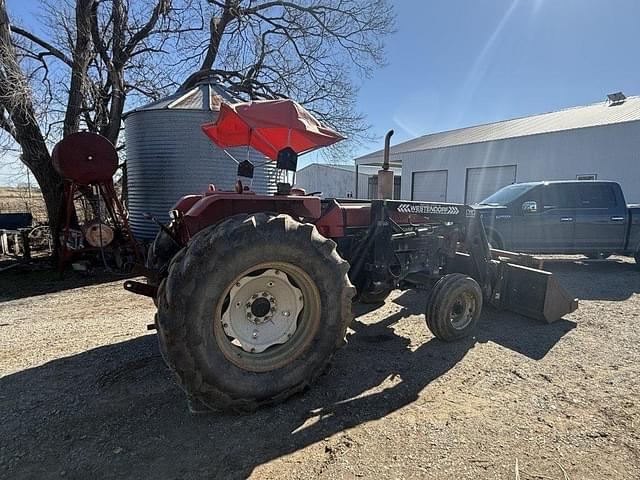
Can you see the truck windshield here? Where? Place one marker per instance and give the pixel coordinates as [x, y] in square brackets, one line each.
[507, 194]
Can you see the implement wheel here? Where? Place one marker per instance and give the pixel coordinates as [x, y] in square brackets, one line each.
[252, 311]
[454, 307]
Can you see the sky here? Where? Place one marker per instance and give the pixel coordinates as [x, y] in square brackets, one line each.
[458, 63]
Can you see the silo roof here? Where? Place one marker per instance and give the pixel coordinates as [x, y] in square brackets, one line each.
[205, 95]
[596, 114]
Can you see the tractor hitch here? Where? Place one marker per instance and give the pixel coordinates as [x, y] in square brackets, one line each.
[140, 288]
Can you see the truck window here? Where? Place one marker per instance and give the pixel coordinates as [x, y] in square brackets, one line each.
[558, 195]
[596, 196]
[507, 194]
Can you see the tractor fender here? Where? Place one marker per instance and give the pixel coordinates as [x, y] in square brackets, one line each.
[215, 207]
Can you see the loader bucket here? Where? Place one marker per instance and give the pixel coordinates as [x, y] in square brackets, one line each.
[534, 293]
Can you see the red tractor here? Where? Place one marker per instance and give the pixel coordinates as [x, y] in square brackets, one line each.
[254, 292]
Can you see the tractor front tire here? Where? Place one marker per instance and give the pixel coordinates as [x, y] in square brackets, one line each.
[252, 311]
[454, 307]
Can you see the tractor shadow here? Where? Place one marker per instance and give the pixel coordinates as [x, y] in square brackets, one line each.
[114, 411]
[19, 283]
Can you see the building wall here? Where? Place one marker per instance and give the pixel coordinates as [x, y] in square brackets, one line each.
[611, 151]
[363, 186]
[333, 182]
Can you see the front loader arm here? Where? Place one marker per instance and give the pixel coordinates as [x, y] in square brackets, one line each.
[404, 237]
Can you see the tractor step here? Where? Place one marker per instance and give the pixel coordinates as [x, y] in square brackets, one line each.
[141, 288]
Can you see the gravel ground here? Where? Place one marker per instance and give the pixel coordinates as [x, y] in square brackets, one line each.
[84, 393]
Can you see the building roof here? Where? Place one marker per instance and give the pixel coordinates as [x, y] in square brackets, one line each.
[596, 114]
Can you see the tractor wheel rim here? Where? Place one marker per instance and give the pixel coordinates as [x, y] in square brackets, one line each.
[263, 310]
[462, 311]
[267, 317]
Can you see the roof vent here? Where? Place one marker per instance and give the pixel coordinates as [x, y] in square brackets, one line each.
[616, 98]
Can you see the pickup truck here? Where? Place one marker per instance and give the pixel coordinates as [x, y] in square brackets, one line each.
[562, 217]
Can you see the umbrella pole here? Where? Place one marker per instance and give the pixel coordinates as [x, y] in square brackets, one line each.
[231, 156]
[251, 181]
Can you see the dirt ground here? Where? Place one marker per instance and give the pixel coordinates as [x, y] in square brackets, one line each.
[84, 393]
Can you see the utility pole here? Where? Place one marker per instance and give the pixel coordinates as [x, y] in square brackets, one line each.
[28, 180]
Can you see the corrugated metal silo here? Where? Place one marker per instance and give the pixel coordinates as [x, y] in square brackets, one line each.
[169, 156]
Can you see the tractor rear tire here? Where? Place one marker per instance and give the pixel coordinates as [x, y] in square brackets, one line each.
[454, 307]
[161, 251]
[210, 334]
[159, 254]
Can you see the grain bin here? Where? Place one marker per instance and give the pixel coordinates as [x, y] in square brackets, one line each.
[169, 156]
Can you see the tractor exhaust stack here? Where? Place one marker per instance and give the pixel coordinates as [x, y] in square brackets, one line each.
[385, 176]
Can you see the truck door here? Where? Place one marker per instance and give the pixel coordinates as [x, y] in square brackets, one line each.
[601, 218]
[547, 220]
[558, 212]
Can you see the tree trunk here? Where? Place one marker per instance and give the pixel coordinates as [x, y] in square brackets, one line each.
[38, 160]
[81, 58]
[16, 97]
[217, 26]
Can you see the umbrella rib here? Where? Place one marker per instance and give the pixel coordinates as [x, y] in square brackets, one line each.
[264, 139]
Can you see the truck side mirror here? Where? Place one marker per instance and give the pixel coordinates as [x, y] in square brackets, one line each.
[530, 207]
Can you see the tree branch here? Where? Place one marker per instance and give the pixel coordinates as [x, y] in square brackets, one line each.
[161, 8]
[42, 43]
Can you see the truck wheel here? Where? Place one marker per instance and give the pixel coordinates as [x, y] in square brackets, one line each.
[597, 255]
[454, 307]
[252, 311]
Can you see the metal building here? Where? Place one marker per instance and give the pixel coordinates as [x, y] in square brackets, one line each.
[339, 181]
[169, 156]
[598, 141]
[334, 181]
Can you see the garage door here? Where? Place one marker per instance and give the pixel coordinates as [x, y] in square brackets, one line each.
[429, 186]
[482, 182]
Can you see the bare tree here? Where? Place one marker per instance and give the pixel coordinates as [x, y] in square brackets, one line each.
[18, 119]
[91, 57]
[77, 74]
[313, 51]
